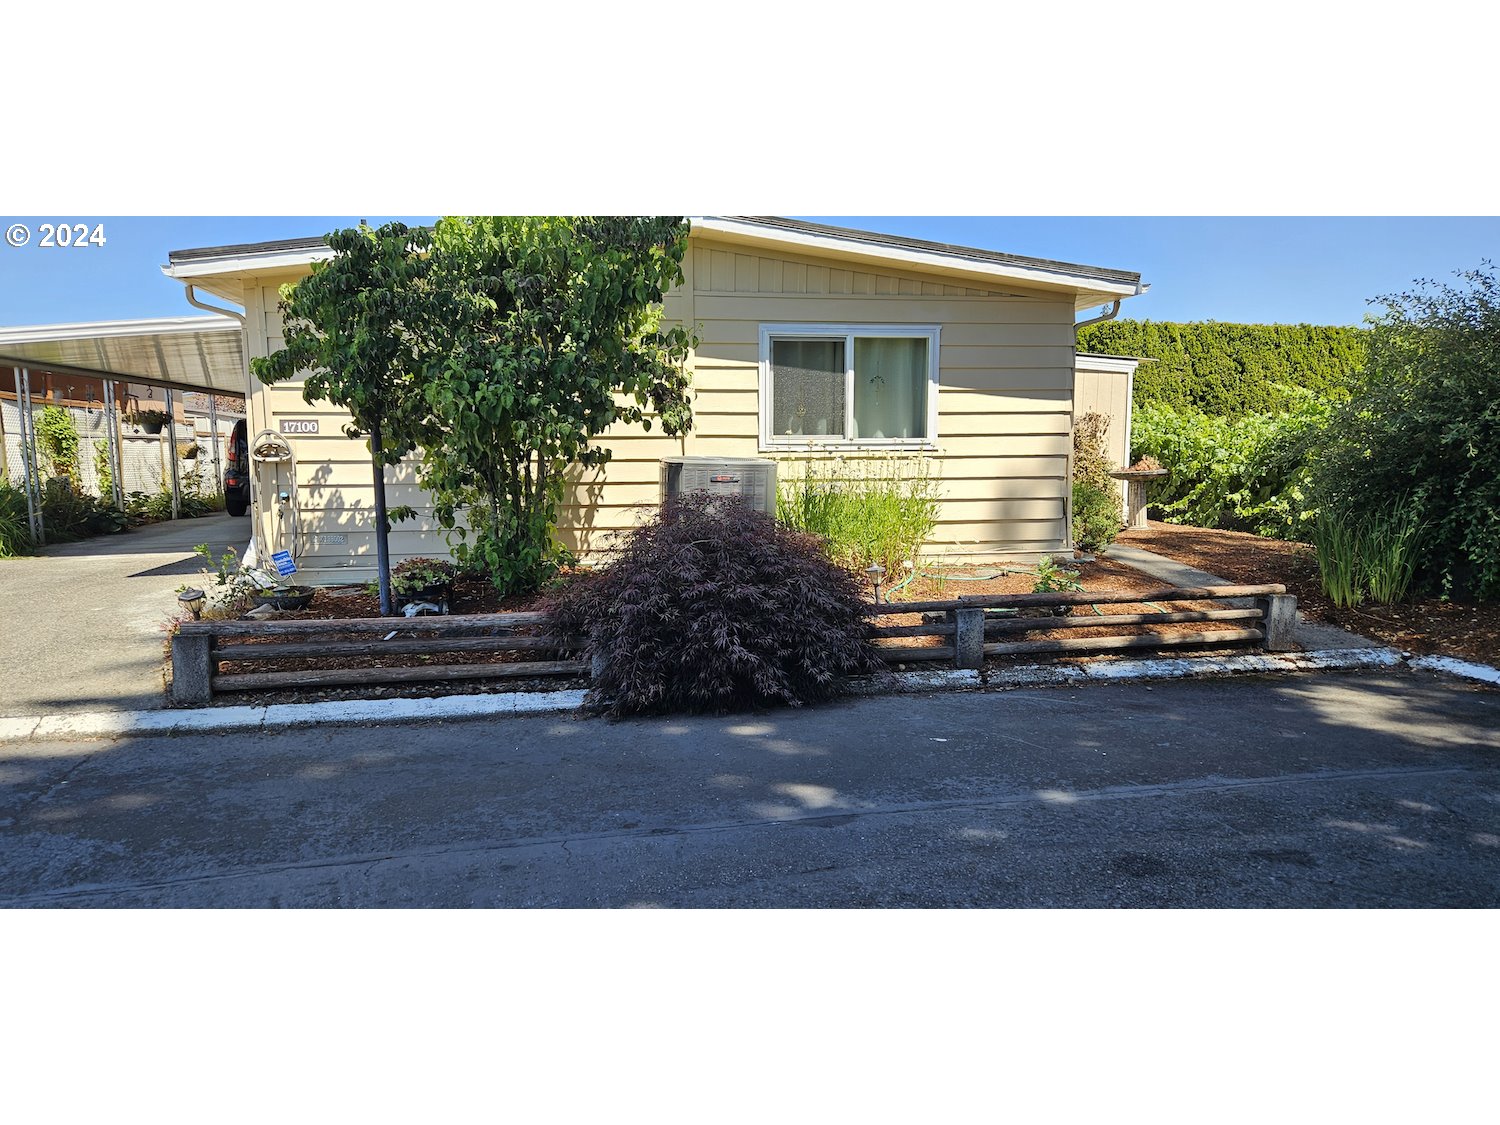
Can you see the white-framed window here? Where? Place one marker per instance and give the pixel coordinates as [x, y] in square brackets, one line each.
[840, 385]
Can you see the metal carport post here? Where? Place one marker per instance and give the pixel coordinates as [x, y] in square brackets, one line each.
[34, 520]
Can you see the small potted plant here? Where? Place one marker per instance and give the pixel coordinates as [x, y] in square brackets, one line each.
[149, 420]
[423, 580]
[285, 597]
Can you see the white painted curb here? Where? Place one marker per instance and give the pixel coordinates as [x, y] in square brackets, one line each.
[1028, 675]
[1468, 670]
[104, 724]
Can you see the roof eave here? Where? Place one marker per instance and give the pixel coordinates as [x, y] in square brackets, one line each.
[1087, 290]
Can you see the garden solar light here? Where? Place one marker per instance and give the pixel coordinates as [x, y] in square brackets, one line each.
[192, 600]
[876, 573]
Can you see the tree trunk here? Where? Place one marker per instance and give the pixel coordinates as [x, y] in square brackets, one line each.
[382, 525]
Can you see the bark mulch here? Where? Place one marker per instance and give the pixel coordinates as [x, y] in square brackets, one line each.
[1427, 625]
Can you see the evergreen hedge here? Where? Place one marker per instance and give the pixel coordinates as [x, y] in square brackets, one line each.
[1231, 369]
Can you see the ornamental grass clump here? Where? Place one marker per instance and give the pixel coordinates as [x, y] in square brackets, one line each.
[879, 510]
[714, 607]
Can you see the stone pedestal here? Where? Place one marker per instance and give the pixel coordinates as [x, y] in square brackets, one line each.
[1135, 493]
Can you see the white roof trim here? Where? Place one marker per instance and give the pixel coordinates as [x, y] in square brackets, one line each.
[266, 261]
[924, 259]
[1106, 364]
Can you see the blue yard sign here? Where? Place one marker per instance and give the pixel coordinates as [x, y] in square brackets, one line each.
[284, 563]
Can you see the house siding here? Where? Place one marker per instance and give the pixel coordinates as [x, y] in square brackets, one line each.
[1005, 408]
[1107, 393]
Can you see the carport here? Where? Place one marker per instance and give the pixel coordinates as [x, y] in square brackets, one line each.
[175, 354]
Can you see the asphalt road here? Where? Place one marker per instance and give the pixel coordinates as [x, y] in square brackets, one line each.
[82, 625]
[1330, 790]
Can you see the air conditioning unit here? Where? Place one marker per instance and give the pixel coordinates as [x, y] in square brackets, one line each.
[751, 478]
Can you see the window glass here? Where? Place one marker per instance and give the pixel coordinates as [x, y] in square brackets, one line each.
[890, 387]
[807, 387]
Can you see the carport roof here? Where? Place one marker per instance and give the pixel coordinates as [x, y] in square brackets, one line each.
[186, 353]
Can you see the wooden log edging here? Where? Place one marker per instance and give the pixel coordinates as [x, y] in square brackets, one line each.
[454, 625]
[334, 677]
[1112, 644]
[1103, 597]
[1270, 619]
[1039, 624]
[199, 648]
[966, 634]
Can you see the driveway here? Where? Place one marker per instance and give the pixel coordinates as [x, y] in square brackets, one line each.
[1327, 790]
[83, 622]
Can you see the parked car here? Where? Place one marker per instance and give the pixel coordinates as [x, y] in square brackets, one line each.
[237, 472]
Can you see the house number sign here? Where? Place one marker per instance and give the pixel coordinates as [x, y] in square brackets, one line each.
[299, 425]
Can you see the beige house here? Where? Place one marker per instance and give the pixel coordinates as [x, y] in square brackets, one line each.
[815, 342]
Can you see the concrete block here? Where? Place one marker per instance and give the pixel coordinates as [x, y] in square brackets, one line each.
[968, 640]
[1279, 620]
[192, 669]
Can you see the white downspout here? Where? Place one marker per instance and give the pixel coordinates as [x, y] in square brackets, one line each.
[1114, 311]
[192, 299]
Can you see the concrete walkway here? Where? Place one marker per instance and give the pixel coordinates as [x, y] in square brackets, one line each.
[1313, 636]
[82, 624]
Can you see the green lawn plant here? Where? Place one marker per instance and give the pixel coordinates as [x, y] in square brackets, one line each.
[15, 526]
[1368, 557]
[1246, 473]
[1096, 494]
[1421, 435]
[1054, 579]
[350, 327]
[1231, 370]
[871, 510]
[57, 441]
[104, 471]
[538, 334]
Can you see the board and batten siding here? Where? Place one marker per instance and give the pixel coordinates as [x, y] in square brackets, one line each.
[1005, 409]
[1104, 387]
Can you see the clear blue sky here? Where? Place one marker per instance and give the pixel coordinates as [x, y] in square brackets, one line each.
[1255, 270]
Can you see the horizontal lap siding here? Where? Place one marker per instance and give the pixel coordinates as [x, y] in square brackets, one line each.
[335, 495]
[1004, 408]
[1006, 374]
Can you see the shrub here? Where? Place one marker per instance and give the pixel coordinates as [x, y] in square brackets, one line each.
[155, 507]
[1425, 426]
[1091, 465]
[879, 510]
[413, 575]
[1233, 369]
[57, 440]
[714, 607]
[1241, 474]
[15, 524]
[1371, 556]
[1054, 579]
[1096, 516]
[227, 583]
[69, 515]
[104, 471]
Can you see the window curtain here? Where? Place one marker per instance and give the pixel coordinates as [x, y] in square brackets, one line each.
[890, 388]
[807, 392]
